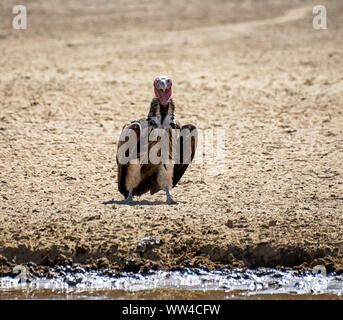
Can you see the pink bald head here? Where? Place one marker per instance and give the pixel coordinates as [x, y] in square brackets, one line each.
[163, 89]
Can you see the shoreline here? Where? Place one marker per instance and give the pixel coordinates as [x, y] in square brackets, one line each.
[259, 72]
[212, 258]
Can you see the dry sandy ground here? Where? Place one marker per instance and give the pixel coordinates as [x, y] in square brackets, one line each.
[258, 69]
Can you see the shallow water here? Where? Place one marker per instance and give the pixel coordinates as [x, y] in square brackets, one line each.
[262, 283]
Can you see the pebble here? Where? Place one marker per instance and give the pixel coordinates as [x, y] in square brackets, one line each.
[229, 223]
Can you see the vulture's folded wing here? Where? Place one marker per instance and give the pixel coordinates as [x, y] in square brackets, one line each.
[187, 143]
[133, 137]
[128, 149]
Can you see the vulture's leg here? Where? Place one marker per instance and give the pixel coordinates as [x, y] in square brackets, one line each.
[165, 179]
[169, 198]
[133, 178]
[128, 200]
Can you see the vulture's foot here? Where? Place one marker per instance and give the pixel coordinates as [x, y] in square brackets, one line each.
[169, 198]
[129, 200]
[171, 201]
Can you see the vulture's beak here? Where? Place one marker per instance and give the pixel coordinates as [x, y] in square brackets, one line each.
[163, 86]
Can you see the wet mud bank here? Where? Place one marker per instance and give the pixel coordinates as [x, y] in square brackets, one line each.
[153, 254]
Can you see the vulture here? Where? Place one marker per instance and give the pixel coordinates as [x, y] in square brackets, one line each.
[154, 153]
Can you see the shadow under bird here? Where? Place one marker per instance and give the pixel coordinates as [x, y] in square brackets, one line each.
[138, 173]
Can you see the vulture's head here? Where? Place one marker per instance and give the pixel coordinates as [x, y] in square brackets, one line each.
[163, 89]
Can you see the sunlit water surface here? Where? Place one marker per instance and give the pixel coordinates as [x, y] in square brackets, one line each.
[262, 283]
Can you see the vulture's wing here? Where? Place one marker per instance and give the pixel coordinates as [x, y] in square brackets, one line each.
[122, 166]
[148, 175]
[187, 143]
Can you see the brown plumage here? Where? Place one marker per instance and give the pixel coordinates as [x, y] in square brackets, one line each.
[144, 177]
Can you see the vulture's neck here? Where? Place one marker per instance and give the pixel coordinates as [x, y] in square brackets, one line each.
[160, 112]
[164, 111]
